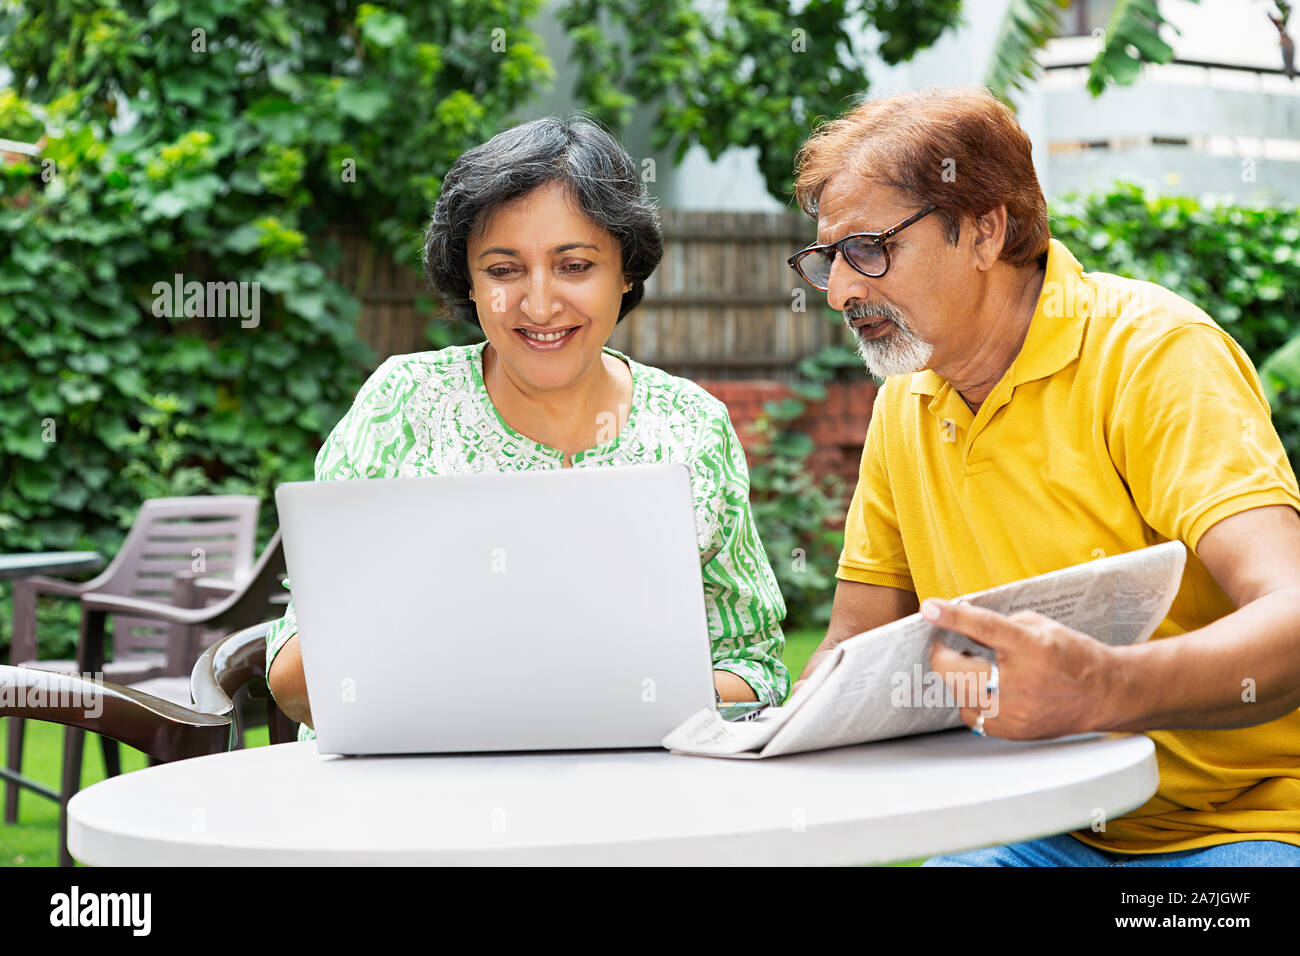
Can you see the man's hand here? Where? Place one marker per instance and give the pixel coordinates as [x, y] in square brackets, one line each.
[1053, 680]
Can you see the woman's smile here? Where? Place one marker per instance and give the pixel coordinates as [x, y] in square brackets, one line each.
[548, 341]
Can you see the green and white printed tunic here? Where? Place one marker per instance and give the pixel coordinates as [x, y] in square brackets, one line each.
[429, 413]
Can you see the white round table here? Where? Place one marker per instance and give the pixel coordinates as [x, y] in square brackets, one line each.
[874, 803]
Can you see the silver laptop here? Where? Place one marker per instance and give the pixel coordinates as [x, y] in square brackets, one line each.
[509, 611]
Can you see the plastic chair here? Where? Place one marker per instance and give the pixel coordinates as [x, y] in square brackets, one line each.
[161, 728]
[169, 535]
[248, 606]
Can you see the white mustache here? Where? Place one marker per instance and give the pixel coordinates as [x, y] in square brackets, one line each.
[874, 312]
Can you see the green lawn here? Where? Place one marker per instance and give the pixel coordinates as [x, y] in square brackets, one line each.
[33, 840]
[799, 646]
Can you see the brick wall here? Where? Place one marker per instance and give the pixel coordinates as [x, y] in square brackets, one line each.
[837, 425]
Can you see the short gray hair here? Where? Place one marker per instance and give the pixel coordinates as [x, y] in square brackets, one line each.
[598, 173]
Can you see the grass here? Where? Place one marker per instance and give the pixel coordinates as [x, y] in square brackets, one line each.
[799, 646]
[33, 841]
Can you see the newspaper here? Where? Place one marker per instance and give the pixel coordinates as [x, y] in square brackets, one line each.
[877, 685]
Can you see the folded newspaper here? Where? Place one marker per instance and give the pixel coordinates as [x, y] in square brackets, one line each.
[878, 684]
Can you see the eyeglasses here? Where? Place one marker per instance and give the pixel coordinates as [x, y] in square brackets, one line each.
[865, 251]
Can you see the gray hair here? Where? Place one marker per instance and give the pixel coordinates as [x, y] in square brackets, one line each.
[598, 173]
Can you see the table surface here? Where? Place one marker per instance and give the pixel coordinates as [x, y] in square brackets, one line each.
[48, 562]
[873, 803]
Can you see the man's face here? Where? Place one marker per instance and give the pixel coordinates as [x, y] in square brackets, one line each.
[916, 303]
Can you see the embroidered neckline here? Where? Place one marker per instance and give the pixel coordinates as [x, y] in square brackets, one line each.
[638, 372]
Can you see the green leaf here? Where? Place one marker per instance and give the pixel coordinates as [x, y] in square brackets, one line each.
[1027, 26]
[128, 381]
[1132, 38]
[26, 441]
[244, 239]
[35, 481]
[309, 305]
[13, 377]
[13, 279]
[189, 355]
[304, 388]
[1281, 370]
[275, 352]
[381, 27]
[184, 89]
[33, 260]
[361, 104]
[785, 409]
[71, 497]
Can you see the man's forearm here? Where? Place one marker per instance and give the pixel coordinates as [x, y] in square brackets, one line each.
[1241, 670]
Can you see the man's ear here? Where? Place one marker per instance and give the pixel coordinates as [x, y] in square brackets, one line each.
[990, 236]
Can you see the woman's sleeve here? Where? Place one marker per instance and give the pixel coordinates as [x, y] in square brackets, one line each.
[344, 457]
[742, 600]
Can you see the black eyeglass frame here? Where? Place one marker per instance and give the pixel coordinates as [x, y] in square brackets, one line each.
[875, 238]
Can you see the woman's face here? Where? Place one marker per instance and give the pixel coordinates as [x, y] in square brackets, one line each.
[539, 267]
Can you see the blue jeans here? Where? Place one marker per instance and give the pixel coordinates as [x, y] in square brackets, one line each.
[1065, 850]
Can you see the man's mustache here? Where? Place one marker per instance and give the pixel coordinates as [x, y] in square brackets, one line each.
[873, 310]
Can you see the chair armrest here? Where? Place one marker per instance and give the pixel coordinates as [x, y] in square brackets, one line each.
[24, 595]
[150, 724]
[39, 584]
[218, 586]
[226, 666]
[115, 604]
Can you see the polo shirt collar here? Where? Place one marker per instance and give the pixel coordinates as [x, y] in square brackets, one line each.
[1055, 330]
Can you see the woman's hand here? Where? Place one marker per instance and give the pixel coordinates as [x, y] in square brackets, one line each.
[732, 688]
[288, 684]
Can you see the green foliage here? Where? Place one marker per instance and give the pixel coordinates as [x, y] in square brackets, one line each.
[1238, 263]
[757, 75]
[1027, 26]
[224, 141]
[228, 141]
[799, 517]
[1131, 38]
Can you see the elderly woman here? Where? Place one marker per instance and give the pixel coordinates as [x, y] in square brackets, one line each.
[543, 237]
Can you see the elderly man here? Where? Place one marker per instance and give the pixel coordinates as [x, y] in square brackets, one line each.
[1035, 416]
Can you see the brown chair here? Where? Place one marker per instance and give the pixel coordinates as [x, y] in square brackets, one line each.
[163, 540]
[252, 604]
[162, 729]
[168, 536]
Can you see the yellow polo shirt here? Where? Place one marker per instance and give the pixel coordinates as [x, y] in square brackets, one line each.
[1128, 418]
